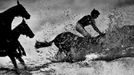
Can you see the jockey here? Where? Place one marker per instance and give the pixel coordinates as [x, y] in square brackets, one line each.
[88, 20]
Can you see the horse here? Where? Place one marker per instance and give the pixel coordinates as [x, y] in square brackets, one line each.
[64, 41]
[6, 18]
[12, 43]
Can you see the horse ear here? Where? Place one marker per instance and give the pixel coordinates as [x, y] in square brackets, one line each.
[18, 2]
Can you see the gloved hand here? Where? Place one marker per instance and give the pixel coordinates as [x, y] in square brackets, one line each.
[102, 34]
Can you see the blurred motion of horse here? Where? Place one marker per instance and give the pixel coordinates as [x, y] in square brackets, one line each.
[66, 40]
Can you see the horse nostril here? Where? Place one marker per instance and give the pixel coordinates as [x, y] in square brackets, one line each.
[33, 35]
[28, 16]
[37, 51]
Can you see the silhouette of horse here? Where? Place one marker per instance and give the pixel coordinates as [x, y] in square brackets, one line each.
[65, 41]
[11, 44]
[7, 17]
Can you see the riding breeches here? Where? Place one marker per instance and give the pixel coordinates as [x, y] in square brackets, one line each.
[82, 31]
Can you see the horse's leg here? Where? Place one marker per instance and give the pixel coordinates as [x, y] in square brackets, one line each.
[14, 63]
[21, 61]
[56, 55]
[21, 48]
[68, 55]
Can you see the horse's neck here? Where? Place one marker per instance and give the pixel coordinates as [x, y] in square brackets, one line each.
[15, 34]
[7, 16]
[6, 22]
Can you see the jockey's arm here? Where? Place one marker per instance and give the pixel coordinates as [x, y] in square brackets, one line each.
[96, 28]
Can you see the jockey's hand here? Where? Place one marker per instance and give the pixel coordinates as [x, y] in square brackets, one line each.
[102, 34]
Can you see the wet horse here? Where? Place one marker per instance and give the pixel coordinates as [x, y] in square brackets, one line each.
[7, 17]
[65, 41]
[11, 44]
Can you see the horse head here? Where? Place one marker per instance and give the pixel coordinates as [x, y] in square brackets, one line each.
[21, 11]
[24, 29]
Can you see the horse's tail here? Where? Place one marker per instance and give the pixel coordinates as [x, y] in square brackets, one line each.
[43, 44]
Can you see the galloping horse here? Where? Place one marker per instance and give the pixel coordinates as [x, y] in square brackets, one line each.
[65, 41]
[7, 17]
[12, 43]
